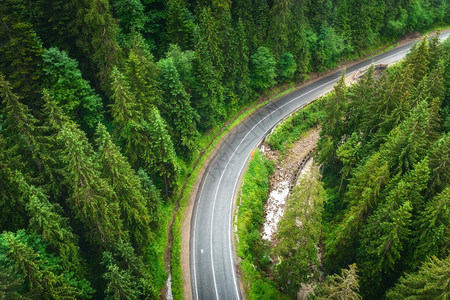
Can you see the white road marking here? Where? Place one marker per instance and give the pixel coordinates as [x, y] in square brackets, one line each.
[201, 251]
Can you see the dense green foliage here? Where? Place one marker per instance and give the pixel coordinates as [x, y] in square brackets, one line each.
[388, 207]
[298, 233]
[289, 130]
[250, 246]
[103, 103]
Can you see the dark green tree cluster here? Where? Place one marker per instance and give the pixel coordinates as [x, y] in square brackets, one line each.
[385, 149]
[103, 103]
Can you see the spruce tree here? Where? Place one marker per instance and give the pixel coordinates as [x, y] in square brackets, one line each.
[432, 235]
[39, 275]
[67, 87]
[46, 220]
[364, 192]
[96, 36]
[337, 287]
[20, 52]
[11, 206]
[21, 131]
[120, 284]
[429, 282]
[176, 110]
[385, 237]
[408, 142]
[180, 25]
[145, 140]
[127, 187]
[92, 200]
[142, 75]
[280, 20]
[439, 155]
[262, 72]
[207, 91]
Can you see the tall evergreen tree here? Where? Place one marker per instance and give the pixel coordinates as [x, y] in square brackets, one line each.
[180, 25]
[12, 208]
[21, 131]
[262, 69]
[66, 85]
[46, 220]
[433, 228]
[147, 143]
[20, 52]
[336, 287]
[207, 91]
[96, 32]
[127, 186]
[39, 274]
[92, 200]
[430, 282]
[176, 109]
[280, 21]
[120, 283]
[408, 142]
[142, 75]
[364, 192]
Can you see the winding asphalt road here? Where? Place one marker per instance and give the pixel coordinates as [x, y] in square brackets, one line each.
[213, 271]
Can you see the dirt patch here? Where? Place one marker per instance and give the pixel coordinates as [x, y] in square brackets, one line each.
[285, 172]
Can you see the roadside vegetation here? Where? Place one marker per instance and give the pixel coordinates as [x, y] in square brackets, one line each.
[381, 226]
[107, 105]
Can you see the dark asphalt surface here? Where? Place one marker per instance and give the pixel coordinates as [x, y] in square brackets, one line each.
[213, 270]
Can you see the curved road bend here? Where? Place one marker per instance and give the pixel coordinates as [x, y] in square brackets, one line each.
[213, 273]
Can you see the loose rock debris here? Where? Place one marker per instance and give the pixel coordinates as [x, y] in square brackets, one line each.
[286, 167]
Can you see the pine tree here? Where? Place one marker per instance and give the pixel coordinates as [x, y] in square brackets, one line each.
[337, 287]
[386, 235]
[39, 277]
[433, 228]
[364, 192]
[335, 108]
[417, 58]
[147, 143]
[363, 93]
[131, 15]
[207, 91]
[262, 72]
[20, 130]
[127, 186]
[120, 283]
[176, 109]
[67, 87]
[54, 229]
[280, 19]
[180, 25]
[408, 142]
[208, 29]
[20, 52]
[92, 200]
[430, 282]
[439, 155]
[11, 206]
[142, 74]
[96, 32]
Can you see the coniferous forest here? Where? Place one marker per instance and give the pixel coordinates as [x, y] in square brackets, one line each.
[103, 105]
